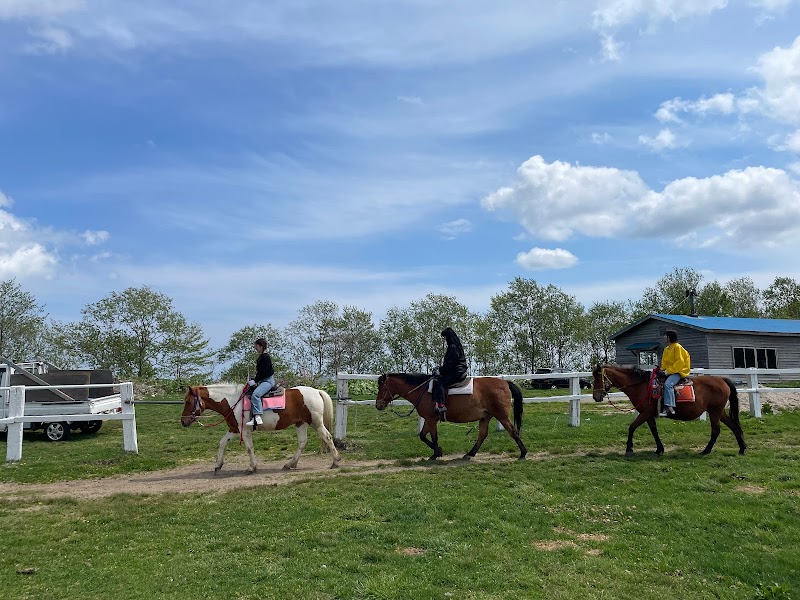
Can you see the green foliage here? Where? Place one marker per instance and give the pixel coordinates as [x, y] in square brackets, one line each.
[782, 299]
[22, 322]
[774, 591]
[240, 357]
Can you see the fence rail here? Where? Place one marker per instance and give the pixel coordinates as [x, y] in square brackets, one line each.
[14, 398]
[574, 397]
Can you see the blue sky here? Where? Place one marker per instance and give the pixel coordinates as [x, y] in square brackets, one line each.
[249, 158]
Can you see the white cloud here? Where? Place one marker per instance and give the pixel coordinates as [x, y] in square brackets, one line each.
[93, 238]
[28, 260]
[556, 199]
[539, 259]
[754, 207]
[5, 200]
[780, 95]
[452, 229]
[665, 140]
[795, 167]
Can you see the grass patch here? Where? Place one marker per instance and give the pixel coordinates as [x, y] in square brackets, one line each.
[578, 520]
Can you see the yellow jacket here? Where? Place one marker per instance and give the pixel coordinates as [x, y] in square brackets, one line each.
[676, 360]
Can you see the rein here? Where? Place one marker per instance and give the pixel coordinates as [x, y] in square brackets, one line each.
[415, 404]
[636, 405]
[198, 404]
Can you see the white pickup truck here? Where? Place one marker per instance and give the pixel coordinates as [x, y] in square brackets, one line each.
[49, 403]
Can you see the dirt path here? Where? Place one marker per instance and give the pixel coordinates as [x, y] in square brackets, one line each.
[200, 477]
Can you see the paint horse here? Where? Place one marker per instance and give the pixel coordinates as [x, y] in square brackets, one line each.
[490, 397]
[304, 406]
[711, 395]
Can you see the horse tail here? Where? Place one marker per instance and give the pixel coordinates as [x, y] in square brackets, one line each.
[516, 394]
[327, 411]
[733, 398]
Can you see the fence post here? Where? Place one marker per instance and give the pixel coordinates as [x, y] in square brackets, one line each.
[130, 441]
[575, 403]
[342, 398]
[16, 408]
[755, 397]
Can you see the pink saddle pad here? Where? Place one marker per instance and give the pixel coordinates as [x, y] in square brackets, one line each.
[271, 403]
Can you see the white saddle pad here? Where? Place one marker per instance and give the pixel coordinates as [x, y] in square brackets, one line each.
[465, 389]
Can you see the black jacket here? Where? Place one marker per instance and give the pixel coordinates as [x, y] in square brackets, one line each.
[454, 364]
[264, 368]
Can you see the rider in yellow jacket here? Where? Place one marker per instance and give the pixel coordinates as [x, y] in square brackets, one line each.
[676, 363]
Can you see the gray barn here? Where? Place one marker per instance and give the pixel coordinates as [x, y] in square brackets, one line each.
[713, 342]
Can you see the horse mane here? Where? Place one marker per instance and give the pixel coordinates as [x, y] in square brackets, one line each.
[411, 378]
[635, 373]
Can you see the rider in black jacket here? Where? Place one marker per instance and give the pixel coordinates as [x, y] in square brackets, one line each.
[453, 369]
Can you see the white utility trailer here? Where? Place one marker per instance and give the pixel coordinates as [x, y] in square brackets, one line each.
[55, 405]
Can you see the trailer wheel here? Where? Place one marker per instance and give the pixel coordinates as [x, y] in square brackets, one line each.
[57, 431]
[91, 426]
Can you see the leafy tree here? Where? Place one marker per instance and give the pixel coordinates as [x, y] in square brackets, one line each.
[357, 341]
[782, 299]
[417, 331]
[396, 331]
[486, 349]
[560, 328]
[22, 322]
[185, 352]
[311, 339]
[745, 297]
[668, 295]
[600, 322]
[240, 357]
[125, 332]
[517, 316]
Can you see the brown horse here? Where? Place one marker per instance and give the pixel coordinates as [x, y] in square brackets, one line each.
[304, 406]
[711, 395]
[491, 397]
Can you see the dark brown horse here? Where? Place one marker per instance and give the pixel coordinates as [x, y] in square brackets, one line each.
[490, 397]
[711, 395]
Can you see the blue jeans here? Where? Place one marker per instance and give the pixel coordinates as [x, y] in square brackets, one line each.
[261, 389]
[669, 389]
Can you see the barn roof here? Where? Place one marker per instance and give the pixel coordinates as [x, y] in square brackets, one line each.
[723, 324]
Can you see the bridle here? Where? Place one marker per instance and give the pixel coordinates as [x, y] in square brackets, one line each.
[198, 408]
[608, 384]
[393, 397]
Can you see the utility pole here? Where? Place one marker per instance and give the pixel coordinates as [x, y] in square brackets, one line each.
[691, 294]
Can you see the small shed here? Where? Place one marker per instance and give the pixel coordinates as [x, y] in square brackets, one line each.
[713, 342]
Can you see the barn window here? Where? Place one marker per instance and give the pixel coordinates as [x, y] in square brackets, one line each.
[761, 358]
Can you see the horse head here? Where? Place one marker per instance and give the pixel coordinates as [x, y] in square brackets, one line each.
[384, 396]
[193, 405]
[600, 383]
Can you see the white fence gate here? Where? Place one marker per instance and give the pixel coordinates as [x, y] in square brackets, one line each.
[16, 416]
[575, 397]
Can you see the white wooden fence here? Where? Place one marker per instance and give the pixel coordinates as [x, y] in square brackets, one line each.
[574, 397]
[16, 416]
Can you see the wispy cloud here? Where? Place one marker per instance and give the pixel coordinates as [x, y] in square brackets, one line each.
[665, 140]
[452, 229]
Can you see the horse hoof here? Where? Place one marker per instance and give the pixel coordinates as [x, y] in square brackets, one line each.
[522, 456]
[217, 470]
[629, 453]
[334, 466]
[466, 457]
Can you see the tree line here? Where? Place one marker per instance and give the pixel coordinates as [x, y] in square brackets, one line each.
[138, 333]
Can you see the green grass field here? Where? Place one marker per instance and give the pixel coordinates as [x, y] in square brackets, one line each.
[577, 520]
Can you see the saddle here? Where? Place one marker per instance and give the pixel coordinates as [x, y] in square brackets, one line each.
[459, 387]
[684, 389]
[274, 399]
